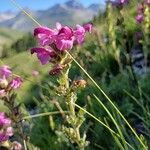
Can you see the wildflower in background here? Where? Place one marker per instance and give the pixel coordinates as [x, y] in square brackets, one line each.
[140, 11]
[7, 81]
[147, 2]
[6, 130]
[17, 146]
[5, 71]
[88, 27]
[35, 73]
[139, 18]
[16, 82]
[118, 3]
[54, 42]
[79, 34]
[124, 1]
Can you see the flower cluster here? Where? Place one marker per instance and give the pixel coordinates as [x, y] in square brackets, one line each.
[54, 42]
[6, 130]
[140, 11]
[7, 81]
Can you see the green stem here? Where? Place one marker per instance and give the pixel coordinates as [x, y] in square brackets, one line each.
[43, 114]
[110, 101]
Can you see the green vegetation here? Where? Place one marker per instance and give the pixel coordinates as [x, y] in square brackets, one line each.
[106, 55]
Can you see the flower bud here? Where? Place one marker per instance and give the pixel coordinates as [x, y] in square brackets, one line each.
[3, 83]
[80, 83]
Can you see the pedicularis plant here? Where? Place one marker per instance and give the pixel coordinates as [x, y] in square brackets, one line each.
[54, 46]
[8, 84]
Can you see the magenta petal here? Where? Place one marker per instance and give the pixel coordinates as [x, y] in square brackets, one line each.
[45, 36]
[44, 55]
[139, 18]
[16, 82]
[43, 30]
[64, 39]
[124, 1]
[79, 33]
[64, 44]
[5, 71]
[3, 137]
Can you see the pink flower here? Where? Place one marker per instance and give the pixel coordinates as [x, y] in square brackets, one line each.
[65, 39]
[79, 33]
[5, 128]
[119, 3]
[139, 18]
[17, 146]
[9, 131]
[5, 71]
[147, 2]
[53, 42]
[3, 137]
[35, 73]
[2, 93]
[16, 83]
[4, 121]
[88, 27]
[45, 35]
[124, 1]
[43, 54]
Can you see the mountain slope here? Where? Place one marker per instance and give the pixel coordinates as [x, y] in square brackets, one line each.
[72, 12]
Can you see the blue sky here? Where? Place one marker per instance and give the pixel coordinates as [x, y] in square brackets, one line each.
[39, 4]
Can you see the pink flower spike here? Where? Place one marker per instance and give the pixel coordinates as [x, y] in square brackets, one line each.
[5, 71]
[88, 27]
[43, 54]
[16, 83]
